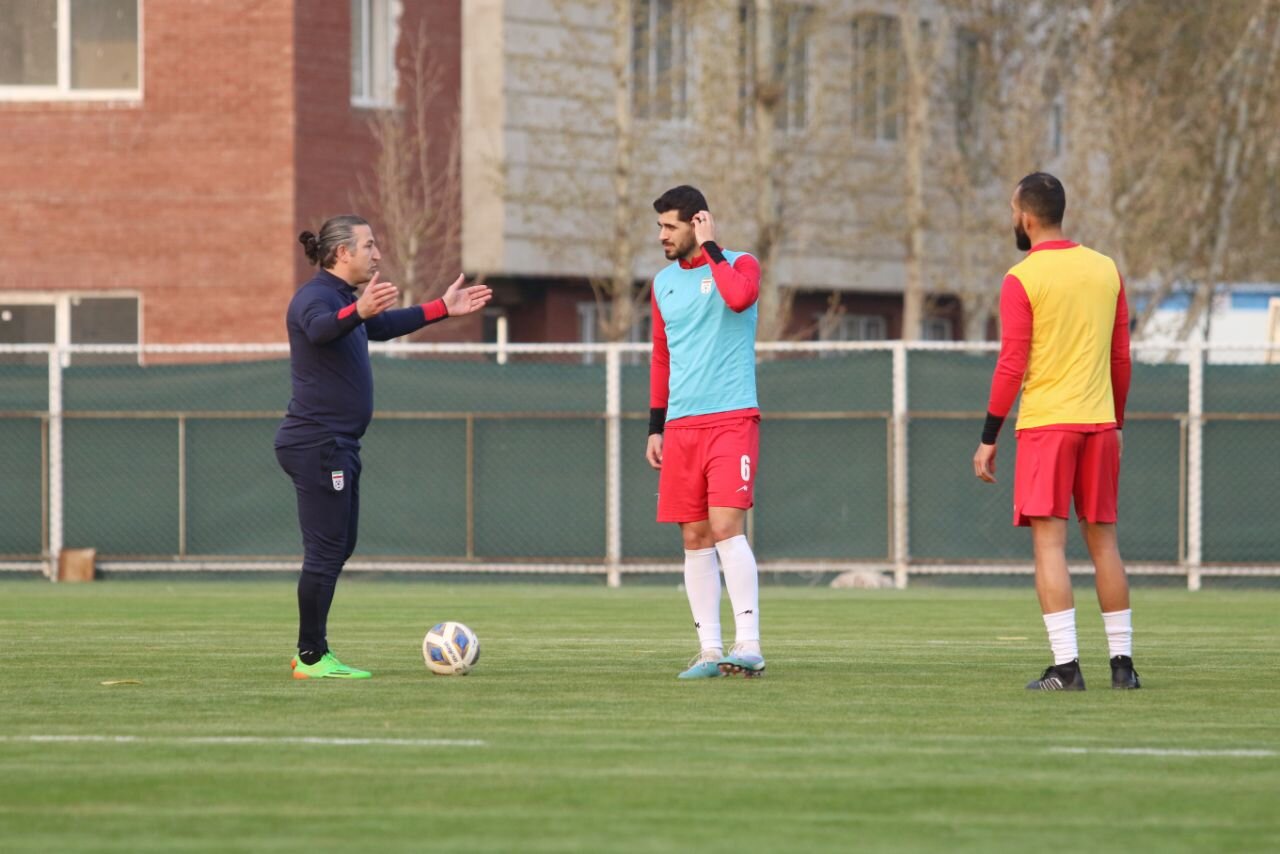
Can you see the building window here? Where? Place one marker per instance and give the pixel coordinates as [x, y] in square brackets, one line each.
[69, 49]
[936, 329]
[641, 332]
[851, 327]
[373, 53]
[791, 31]
[878, 76]
[69, 318]
[746, 63]
[1055, 117]
[1057, 126]
[792, 26]
[967, 94]
[659, 43]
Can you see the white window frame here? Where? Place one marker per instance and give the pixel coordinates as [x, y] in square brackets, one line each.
[681, 86]
[62, 302]
[62, 91]
[377, 93]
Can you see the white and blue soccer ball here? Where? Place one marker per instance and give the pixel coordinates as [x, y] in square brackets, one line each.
[450, 649]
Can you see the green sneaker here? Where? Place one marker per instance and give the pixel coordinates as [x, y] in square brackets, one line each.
[327, 667]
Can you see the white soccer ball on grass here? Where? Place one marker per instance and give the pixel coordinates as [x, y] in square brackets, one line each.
[450, 649]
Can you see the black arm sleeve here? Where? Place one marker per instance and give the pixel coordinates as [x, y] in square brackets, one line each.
[991, 428]
[657, 420]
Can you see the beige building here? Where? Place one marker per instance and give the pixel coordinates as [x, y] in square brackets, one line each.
[577, 113]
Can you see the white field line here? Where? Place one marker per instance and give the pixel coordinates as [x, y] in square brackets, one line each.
[243, 739]
[1166, 751]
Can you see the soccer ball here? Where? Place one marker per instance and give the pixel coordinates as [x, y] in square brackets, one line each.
[450, 649]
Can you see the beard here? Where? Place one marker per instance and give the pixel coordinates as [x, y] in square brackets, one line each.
[676, 251]
[1020, 239]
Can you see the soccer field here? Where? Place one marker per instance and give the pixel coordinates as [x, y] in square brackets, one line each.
[887, 721]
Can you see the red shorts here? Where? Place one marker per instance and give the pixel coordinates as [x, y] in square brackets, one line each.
[711, 466]
[1054, 466]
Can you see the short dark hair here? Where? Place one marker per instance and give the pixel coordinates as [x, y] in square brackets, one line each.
[336, 231]
[1043, 195]
[685, 199]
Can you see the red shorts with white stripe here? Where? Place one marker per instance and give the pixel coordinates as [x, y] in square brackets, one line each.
[1056, 466]
[708, 466]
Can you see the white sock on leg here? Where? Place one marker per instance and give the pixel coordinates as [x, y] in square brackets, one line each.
[702, 586]
[1119, 626]
[1061, 626]
[741, 577]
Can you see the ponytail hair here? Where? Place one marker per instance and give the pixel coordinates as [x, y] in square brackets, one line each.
[337, 231]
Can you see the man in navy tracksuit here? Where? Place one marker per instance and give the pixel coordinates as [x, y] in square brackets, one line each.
[318, 443]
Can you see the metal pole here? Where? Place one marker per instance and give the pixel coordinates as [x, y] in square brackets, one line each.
[55, 460]
[900, 497]
[502, 339]
[613, 466]
[182, 486]
[1195, 462]
[471, 487]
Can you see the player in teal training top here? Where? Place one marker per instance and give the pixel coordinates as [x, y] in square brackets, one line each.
[704, 423]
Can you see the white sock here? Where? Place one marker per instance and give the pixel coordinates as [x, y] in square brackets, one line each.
[740, 577]
[702, 586]
[1062, 635]
[1119, 626]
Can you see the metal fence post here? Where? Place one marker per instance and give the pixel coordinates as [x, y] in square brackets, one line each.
[470, 428]
[55, 460]
[501, 354]
[1195, 462]
[900, 486]
[613, 465]
[182, 485]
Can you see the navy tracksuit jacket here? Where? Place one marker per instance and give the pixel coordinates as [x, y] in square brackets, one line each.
[318, 443]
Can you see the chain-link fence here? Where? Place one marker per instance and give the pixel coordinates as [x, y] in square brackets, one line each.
[530, 458]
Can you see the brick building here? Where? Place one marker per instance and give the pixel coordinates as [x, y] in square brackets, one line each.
[161, 156]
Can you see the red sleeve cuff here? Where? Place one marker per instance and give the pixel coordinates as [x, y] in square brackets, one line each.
[344, 313]
[434, 310]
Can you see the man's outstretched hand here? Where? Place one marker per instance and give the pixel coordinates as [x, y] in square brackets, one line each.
[459, 300]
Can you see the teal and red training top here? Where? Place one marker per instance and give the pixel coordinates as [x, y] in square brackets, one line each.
[704, 332]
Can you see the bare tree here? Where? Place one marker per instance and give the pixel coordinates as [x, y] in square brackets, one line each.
[1192, 148]
[1002, 82]
[922, 54]
[415, 184]
[578, 185]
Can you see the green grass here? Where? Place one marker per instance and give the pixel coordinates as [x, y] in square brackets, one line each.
[888, 721]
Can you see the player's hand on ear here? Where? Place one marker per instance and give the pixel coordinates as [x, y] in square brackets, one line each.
[704, 227]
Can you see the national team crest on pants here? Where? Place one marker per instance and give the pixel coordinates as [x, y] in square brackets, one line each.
[339, 480]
